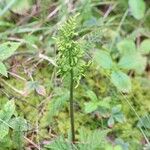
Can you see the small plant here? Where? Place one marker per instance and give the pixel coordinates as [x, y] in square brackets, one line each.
[104, 109]
[69, 59]
[12, 127]
[89, 140]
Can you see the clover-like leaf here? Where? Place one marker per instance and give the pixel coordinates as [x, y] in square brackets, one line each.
[111, 122]
[137, 8]
[103, 59]
[90, 107]
[133, 61]
[91, 95]
[126, 46]
[121, 81]
[145, 46]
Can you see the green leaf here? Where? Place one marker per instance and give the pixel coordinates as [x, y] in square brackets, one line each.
[121, 81]
[7, 49]
[21, 7]
[108, 147]
[3, 69]
[92, 139]
[7, 7]
[57, 103]
[59, 144]
[145, 46]
[133, 61]
[137, 8]
[103, 59]
[91, 95]
[19, 124]
[127, 62]
[111, 122]
[8, 110]
[4, 130]
[119, 117]
[112, 147]
[116, 109]
[17, 138]
[90, 107]
[126, 46]
[120, 142]
[141, 64]
[5, 115]
[118, 147]
[5, 24]
[144, 122]
[104, 104]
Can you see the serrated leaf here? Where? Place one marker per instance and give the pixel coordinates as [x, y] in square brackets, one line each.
[137, 8]
[92, 139]
[17, 138]
[103, 59]
[121, 81]
[145, 46]
[3, 69]
[4, 130]
[7, 111]
[7, 49]
[19, 124]
[126, 47]
[5, 115]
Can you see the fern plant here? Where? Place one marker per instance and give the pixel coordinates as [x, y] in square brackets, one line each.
[69, 60]
[89, 140]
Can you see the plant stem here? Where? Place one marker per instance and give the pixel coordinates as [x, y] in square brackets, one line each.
[71, 106]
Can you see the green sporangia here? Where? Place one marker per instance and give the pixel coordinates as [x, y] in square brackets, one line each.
[70, 59]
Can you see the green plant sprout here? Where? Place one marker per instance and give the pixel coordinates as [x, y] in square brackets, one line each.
[69, 60]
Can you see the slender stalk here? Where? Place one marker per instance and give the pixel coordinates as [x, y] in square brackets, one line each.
[71, 106]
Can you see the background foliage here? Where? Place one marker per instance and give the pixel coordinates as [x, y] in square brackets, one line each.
[112, 101]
